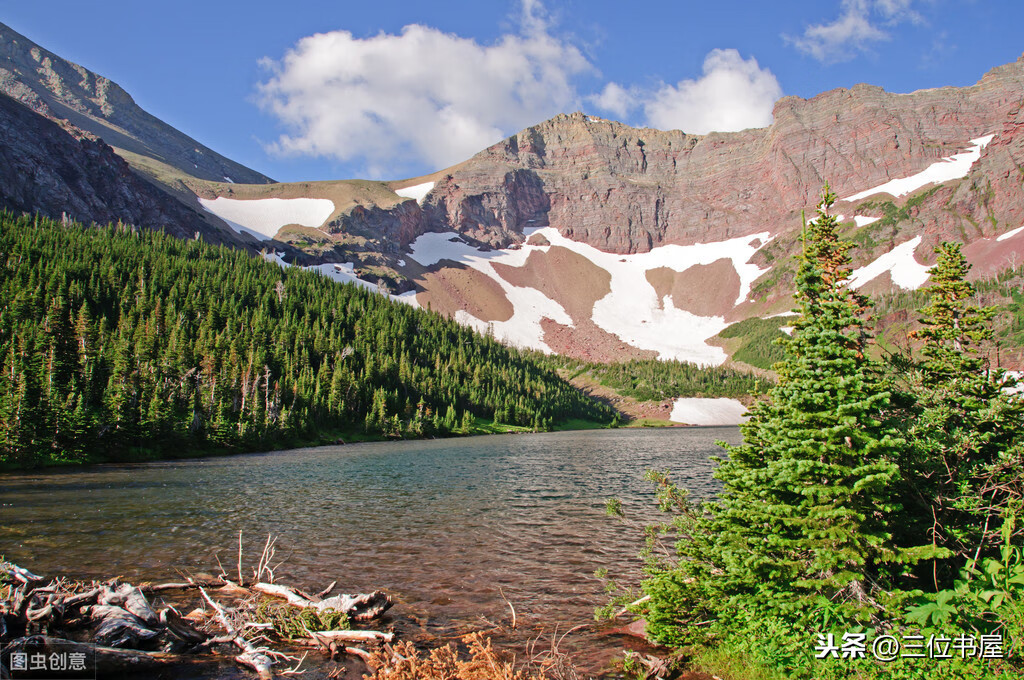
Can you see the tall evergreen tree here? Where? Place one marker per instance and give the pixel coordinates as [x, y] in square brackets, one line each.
[965, 428]
[807, 509]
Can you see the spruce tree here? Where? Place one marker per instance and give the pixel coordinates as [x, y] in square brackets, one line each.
[965, 429]
[808, 504]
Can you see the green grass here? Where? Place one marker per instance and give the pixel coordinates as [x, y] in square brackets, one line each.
[578, 424]
[650, 422]
[758, 337]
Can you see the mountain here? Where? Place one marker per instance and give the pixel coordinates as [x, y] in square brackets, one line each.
[60, 171]
[591, 238]
[77, 145]
[59, 89]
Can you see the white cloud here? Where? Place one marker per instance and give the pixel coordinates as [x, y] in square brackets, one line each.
[423, 96]
[616, 100]
[855, 30]
[733, 94]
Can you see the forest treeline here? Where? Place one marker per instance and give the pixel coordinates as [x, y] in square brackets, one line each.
[656, 380]
[121, 344]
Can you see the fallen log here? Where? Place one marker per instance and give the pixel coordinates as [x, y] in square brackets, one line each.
[353, 635]
[124, 626]
[361, 607]
[180, 627]
[117, 627]
[183, 585]
[131, 599]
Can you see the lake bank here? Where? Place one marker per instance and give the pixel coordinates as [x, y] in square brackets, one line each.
[449, 527]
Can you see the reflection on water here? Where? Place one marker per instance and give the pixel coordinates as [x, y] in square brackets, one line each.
[445, 525]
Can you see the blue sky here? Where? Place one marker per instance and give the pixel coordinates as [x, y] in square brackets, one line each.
[390, 89]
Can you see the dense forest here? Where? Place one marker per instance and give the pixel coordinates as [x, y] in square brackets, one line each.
[120, 344]
[869, 525]
[656, 380]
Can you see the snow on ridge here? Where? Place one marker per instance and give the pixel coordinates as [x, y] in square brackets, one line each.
[529, 305]
[344, 272]
[694, 411]
[863, 221]
[264, 217]
[416, 191]
[277, 258]
[631, 311]
[1010, 234]
[949, 168]
[905, 270]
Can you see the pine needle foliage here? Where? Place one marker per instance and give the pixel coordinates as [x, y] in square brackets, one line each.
[804, 520]
[124, 344]
[865, 497]
[965, 426]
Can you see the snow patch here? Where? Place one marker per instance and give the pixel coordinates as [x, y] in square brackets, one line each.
[401, 263]
[631, 311]
[789, 313]
[277, 258]
[863, 221]
[1009, 378]
[529, 305]
[949, 168]
[344, 272]
[417, 191]
[693, 411]
[228, 180]
[905, 270]
[1010, 234]
[264, 217]
[788, 330]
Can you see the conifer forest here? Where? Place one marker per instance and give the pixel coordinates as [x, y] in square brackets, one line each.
[126, 344]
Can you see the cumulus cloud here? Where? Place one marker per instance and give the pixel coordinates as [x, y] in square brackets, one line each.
[423, 96]
[860, 23]
[616, 100]
[733, 94]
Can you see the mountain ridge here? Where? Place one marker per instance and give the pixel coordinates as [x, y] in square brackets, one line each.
[57, 88]
[588, 237]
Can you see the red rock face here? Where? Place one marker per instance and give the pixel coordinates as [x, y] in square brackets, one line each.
[627, 190]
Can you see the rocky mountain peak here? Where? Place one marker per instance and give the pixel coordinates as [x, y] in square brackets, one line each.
[62, 90]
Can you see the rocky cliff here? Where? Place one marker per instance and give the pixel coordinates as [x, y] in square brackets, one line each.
[578, 235]
[61, 171]
[628, 190]
[60, 90]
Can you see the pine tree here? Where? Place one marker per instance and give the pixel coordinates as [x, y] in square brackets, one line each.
[807, 508]
[964, 428]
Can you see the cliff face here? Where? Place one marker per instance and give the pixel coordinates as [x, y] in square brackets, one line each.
[588, 237]
[578, 235]
[60, 171]
[628, 190]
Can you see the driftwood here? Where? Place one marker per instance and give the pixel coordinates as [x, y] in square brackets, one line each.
[363, 607]
[127, 634]
[117, 627]
[183, 585]
[250, 656]
[352, 635]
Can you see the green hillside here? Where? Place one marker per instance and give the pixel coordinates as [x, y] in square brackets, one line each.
[118, 344]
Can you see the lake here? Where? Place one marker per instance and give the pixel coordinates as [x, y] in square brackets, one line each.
[450, 527]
